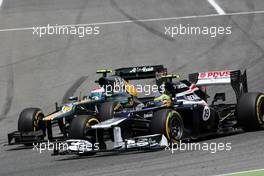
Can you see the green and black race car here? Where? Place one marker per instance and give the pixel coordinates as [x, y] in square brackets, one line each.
[34, 126]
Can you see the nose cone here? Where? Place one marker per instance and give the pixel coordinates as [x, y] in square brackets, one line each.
[52, 116]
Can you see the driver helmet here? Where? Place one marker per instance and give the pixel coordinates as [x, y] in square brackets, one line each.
[97, 93]
[162, 100]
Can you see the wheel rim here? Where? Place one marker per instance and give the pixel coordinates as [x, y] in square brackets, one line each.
[37, 121]
[260, 108]
[89, 132]
[176, 129]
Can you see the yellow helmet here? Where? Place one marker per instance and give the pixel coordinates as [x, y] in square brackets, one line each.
[163, 100]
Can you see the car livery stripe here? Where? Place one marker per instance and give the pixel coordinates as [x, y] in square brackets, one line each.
[52, 116]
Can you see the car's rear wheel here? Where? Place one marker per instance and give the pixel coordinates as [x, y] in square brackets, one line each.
[30, 119]
[107, 109]
[250, 111]
[169, 123]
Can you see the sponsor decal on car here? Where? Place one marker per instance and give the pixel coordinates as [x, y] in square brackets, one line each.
[148, 115]
[67, 108]
[141, 69]
[215, 74]
[214, 77]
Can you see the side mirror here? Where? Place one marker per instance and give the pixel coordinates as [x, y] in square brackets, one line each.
[73, 98]
[219, 96]
[57, 108]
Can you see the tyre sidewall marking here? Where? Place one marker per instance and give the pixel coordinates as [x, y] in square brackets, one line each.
[257, 110]
[35, 122]
[90, 120]
[167, 124]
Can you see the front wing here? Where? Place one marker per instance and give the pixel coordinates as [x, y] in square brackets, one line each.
[79, 147]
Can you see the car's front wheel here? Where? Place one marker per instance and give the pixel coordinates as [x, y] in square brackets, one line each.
[80, 128]
[30, 119]
[169, 123]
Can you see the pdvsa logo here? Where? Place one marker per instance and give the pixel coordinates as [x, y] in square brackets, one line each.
[214, 74]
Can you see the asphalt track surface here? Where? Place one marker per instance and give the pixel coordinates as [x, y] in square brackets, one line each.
[39, 71]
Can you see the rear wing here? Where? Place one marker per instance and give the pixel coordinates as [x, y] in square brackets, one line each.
[210, 78]
[237, 80]
[141, 72]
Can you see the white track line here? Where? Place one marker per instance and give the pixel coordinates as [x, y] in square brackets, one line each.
[242, 172]
[142, 20]
[1, 2]
[217, 7]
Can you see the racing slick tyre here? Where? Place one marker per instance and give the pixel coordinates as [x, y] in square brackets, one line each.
[250, 111]
[80, 128]
[169, 123]
[80, 125]
[107, 109]
[30, 120]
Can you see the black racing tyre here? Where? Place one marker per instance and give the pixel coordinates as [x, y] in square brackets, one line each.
[80, 129]
[80, 126]
[250, 111]
[107, 109]
[30, 120]
[169, 123]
